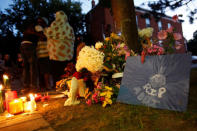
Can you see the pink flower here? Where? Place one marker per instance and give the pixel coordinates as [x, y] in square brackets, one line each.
[99, 85]
[127, 55]
[175, 18]
[162, 35]
[126, 47]
[177, 36]
[178, 45]
[170, 30]
[89, 102]
[150, 50]
[118, 46]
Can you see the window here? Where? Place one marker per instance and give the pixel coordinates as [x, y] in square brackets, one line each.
[136, 21]
[159, 25]
[147, 22]
[169, 25]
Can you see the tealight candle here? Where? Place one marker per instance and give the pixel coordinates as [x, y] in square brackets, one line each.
[1, 100]
[16, 106]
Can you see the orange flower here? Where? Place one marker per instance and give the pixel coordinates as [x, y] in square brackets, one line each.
[162, 35]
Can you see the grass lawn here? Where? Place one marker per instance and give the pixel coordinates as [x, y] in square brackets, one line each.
[121, 116]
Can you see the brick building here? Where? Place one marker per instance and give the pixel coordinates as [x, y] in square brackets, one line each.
[100, 23]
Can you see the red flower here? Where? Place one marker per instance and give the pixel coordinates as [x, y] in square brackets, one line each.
[143, 57]
[78, 75]
[102, 98]
[85, 79]
[89, 102]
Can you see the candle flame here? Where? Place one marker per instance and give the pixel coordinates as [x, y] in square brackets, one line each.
[1, 87]
[23, 98]
[5, 77]
[31, 96]
[16, 101]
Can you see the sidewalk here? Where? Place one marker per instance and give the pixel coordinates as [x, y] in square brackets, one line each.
[27, 122]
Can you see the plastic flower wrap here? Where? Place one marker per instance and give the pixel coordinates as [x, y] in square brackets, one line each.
[91, 59]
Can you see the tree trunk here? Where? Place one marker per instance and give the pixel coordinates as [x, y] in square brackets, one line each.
[125, 21]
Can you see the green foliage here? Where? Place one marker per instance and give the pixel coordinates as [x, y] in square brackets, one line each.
[159, 7]
[21, 10]
[192, 44]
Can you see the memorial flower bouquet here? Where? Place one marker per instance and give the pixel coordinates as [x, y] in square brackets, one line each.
[102, 94]
[167, 41]
[116, 53]
[91, 59]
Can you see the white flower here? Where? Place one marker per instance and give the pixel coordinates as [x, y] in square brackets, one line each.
[91, 59]
[147, 32]
[98, 45]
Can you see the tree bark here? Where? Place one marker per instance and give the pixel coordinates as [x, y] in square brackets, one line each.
[125, 21]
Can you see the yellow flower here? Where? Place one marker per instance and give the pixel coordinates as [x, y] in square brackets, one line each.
[104, 104]
[122, 45]
[108, 94]
[107, 101]
[108, 88]
[107, 38]
[115, 36]
[103, 93]
[98, 45]
[147, 32]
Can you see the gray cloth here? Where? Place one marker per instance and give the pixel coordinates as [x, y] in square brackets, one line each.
[161, 82]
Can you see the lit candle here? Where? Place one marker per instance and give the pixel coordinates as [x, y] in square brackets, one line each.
[30, 106]
[9, 96]
[24, 99]
[1, 100]
[16, 106]
[6, 81]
